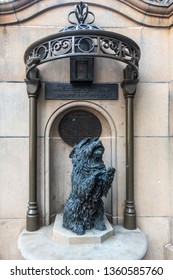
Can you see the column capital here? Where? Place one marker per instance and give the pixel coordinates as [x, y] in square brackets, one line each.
[130, 82]
[33, 83]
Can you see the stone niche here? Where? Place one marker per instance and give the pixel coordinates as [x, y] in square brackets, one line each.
[58, 164]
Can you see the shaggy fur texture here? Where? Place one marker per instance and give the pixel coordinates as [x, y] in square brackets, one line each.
[84, 208]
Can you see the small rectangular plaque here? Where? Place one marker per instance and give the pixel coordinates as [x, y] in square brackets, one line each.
[67, 91]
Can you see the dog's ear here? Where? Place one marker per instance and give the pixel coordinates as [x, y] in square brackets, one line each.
[79, 145]
[83, 142]
[72, 152]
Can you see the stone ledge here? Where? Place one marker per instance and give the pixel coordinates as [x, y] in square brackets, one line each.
[122, 245]
[66, 236]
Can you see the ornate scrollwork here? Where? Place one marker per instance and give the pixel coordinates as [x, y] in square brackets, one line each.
[120, 50]
[95, 45]
[61, 46]
[83, 39]
[49, 50]
[81, 27]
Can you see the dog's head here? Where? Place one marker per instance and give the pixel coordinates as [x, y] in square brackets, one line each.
[89, 149]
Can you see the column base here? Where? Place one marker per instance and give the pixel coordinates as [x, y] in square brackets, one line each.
[32, 218]
[32, 223]
[129, 221]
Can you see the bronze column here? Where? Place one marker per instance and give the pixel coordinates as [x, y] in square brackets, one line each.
[129, 88]
[33, 85]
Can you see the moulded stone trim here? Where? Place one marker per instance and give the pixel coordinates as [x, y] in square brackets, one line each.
[159, 2]
[12, 7]
[152, 12]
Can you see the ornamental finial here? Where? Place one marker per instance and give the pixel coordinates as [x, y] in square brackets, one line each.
[81, 12]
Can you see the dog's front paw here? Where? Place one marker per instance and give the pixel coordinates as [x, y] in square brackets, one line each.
[79, 230]
[100, 226]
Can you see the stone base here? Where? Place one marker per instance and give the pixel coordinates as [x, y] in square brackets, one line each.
[65, 236]
[122, 245]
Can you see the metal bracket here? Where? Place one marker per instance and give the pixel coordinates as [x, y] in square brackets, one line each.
[33, 83]
[130, 82]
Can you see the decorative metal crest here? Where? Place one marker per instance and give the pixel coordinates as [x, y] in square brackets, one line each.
[82, 39]
[78, 18]
[81, 12]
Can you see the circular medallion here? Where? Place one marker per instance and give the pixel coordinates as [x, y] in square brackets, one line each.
[85, 44]
[79, 124]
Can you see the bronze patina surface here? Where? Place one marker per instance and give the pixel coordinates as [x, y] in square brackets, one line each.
[67, 91]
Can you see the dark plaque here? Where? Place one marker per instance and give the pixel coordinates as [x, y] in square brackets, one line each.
[67, 91]
[79, 124]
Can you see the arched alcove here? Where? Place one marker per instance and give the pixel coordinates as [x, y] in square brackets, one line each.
[58, 164]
